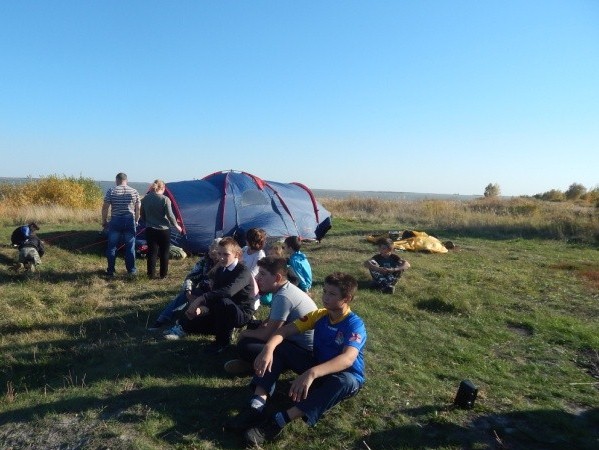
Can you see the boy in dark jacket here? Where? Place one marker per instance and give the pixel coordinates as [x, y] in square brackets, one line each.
[31, 249]
[228, 305]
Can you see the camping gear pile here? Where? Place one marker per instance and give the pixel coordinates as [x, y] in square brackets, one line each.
[415, 241]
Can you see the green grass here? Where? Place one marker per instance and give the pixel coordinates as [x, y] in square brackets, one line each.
[519, 317]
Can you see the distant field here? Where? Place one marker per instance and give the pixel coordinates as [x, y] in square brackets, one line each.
[142, 187]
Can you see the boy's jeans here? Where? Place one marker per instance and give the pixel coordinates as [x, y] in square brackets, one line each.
[324, 393]
[121, 228]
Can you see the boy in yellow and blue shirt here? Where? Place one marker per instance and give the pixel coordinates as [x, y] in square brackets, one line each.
[332, 372]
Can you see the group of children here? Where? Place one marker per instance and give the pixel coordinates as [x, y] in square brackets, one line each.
[324, 346]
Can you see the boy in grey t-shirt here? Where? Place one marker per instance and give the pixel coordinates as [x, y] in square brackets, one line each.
[289, 303]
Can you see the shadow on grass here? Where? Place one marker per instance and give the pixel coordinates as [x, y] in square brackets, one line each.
[436, 305]
[534, 430]
[118, 348]
[86, 241]
[195, 411]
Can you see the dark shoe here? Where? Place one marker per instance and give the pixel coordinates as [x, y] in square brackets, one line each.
[214, 348]
[109, 275]
[265, 432]
[375, 285]
[388, 290]
[238, 367]
[246, 418]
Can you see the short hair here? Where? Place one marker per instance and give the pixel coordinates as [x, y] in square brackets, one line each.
[274, 265]
[121, 176]
[157, 185]
[346, 284]
[293, 242]
[255, 238]
[33, 226]
[228, 241]
[387, 242]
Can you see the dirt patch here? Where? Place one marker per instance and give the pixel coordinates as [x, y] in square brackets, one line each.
[588, 272]
[64, 432]
[591, 277]
[588, 359]
[522, 329]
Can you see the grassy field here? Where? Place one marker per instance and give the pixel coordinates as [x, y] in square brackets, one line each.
[516, 313]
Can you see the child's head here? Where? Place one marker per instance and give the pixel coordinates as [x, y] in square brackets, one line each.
[33, 226]
[339, 290]
[272, 274]
[256, 238]
[276, 249]
[213, 250]
[293, 243]
[385, 246]
[228, 251]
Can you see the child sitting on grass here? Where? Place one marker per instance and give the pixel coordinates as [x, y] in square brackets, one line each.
[31, 248]
[298, 263]
[252, 253]
[332, 372]
[385, 267]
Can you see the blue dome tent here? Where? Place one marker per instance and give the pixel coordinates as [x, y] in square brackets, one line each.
[228, 203]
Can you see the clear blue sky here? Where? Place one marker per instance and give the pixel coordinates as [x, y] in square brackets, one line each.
[414, 96]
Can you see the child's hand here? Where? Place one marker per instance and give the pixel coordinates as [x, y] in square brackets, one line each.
[263, 363]
[301, 385]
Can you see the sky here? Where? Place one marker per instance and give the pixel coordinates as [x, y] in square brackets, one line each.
[436, 96]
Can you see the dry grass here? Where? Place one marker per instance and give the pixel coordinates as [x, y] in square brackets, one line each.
[527, 217]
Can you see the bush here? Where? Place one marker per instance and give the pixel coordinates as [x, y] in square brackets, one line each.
[492, 190]
[78, 193]
[575, 191]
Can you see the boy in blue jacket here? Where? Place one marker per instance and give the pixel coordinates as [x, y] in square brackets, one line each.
[298, 263]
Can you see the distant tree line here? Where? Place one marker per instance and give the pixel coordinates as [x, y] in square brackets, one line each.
[576, 193]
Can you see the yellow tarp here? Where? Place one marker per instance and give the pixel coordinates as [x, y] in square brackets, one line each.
[420, 242]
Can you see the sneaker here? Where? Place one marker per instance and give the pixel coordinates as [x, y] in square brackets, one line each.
[238, 367]
[246, 418]
[18, 266]
[157, 326]
[214, 348]
[31, 268]
[175, 333]
[388, 289]
[265, 432]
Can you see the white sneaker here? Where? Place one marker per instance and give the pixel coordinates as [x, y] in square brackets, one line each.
[175, 333]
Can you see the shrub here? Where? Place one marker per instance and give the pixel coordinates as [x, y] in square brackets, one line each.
[575, 191]
[52, 190]
[492, 190]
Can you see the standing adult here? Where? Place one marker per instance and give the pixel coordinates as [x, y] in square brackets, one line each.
[157, 214]
[124, 204]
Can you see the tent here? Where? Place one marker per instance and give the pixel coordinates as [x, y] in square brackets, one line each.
[229, 203]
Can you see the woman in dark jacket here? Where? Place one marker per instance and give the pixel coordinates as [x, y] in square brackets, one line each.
[157, 214]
